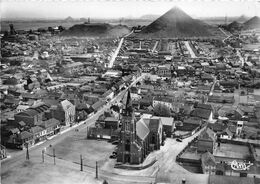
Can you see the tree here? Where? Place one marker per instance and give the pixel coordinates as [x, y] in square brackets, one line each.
[162, 110]
[61, 28]
[105, 182]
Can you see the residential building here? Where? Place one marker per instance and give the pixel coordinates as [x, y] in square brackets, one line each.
[65, 112]
[203, 111]
[208, 163]
[206, 141]
[163, 71]
[73, 68]
[33, 115]
[164, 101]
[2, 152]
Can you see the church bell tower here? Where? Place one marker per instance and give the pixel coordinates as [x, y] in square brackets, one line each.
[128, 131]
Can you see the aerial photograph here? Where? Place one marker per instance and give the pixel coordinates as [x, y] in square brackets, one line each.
[130, 91]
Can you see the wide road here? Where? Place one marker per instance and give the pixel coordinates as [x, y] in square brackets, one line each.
[19, 157]
[187, 44]
[113, 58]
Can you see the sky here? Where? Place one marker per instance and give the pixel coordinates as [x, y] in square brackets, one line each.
[34, 9]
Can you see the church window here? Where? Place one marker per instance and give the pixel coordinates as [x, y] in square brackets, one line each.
[127, 145]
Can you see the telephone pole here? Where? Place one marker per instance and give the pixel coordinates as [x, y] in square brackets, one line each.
[81, 163]
[27, 151]
[42, 156]
[54, 157]
[96, 170]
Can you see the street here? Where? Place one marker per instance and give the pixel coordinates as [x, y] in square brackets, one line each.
[189, 49]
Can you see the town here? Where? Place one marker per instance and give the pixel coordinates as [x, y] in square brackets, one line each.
[170, 102]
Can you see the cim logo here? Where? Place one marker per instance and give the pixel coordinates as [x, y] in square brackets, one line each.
[240, 166]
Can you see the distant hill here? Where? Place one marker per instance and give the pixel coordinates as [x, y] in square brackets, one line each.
[234, 26]
[83, 19]
[252, 23]
[96, 30]
[175, 23]
[69, 19]
[150, 17]
[242, 19]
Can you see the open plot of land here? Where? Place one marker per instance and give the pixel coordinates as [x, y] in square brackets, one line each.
[232, 151]
[77, 144]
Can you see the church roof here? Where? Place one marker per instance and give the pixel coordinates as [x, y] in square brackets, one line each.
[142, 130]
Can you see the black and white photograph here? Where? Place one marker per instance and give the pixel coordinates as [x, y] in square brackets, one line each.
[130, 91]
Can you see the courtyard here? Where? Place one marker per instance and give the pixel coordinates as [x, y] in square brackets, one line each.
[232, 151]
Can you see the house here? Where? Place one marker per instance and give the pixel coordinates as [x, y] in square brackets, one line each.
[146, 68]
[73, 68]
[229, 132]
[189, 124]
[239, 127]
[111, 123]
[163, 71]
[208, 163]
[203, 111]
[38, 132]
[65, 112]
[24, 138]
[108, 95]
[217, 127]
[163, 101]
[51, 127]
[96, 106]
[207, 77]
[206, 141]
[168, 125]
[21, 108]
[2, 152]
[33, 115]
[137, 138]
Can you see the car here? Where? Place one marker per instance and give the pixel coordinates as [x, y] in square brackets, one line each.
[112, 156]
[178, 140]
[115, 142]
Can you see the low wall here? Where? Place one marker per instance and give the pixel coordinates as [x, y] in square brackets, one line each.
[187, 160]
[132, 167]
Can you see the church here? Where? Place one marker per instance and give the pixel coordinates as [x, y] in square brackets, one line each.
[138, 137]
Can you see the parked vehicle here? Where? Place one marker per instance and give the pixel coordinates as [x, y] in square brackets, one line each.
[179, 140]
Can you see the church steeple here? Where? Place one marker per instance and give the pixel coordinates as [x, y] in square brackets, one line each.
[128, 109]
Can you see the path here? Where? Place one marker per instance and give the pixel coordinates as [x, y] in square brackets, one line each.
[224, 34]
